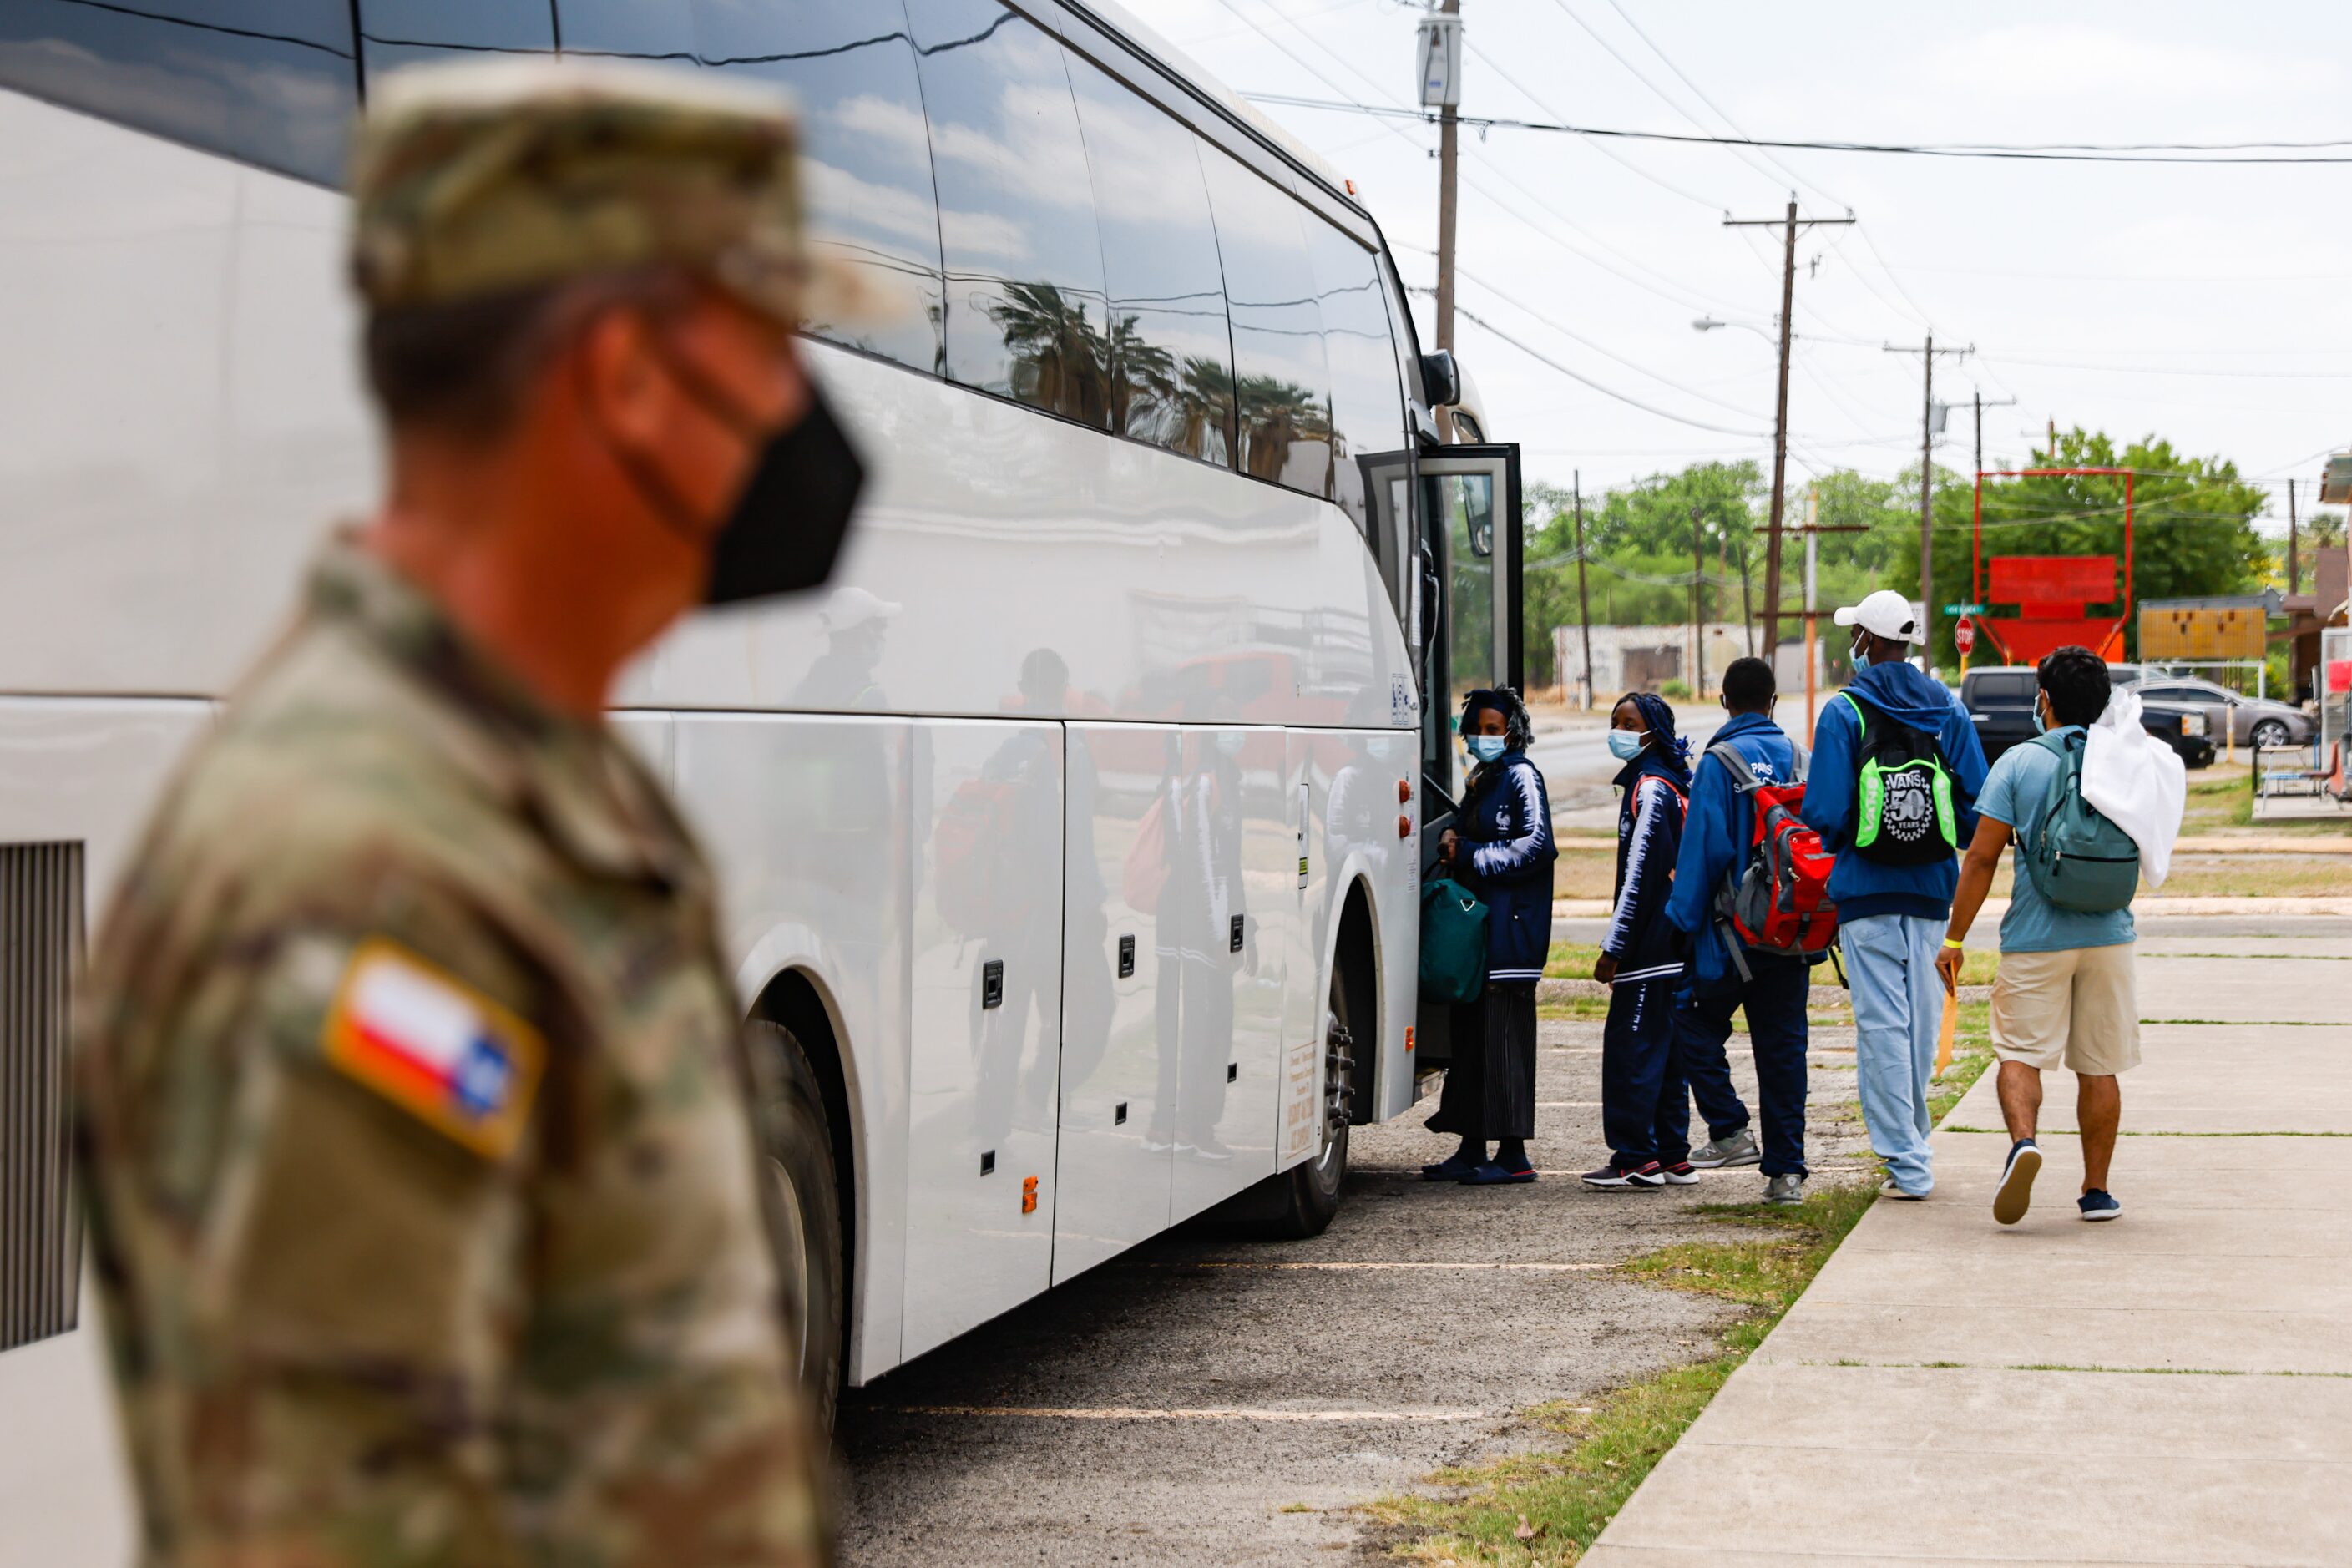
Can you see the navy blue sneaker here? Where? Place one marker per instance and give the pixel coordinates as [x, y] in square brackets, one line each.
[2016, 1190]
[2099, 1204]
[1492, 1174]
[1453, 1168]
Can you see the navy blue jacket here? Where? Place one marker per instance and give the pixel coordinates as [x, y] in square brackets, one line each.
[1862, 888]
[1506, 827]
[1714, 843]
[1649, 839]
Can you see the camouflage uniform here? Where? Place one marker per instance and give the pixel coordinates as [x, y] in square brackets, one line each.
[422, 1170]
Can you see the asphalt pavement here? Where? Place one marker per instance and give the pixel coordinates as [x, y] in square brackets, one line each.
[1209, 1399]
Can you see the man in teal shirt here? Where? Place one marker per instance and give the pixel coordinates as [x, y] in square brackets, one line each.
[2064, 993]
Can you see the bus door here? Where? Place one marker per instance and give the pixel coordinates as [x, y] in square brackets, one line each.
[1469, 547]
[1472, 549]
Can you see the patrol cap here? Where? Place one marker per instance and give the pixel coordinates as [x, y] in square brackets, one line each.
[477, 177]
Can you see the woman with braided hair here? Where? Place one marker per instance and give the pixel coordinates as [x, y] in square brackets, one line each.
[1503, 851]
[1644, 1107]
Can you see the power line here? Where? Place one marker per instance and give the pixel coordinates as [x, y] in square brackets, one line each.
[1829, 196]
[1587, 343]
[1662, 94]
[1540, 356]
[1528, 93]
[2051, 154]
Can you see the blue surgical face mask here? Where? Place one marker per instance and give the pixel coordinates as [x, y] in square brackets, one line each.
[1626, 744]
[1861, 655]
[2040, 725]
[1486, 748]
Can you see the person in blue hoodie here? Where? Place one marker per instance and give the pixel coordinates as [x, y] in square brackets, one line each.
[1502, 851]
[1771, 987]
[1896, 867]
[1644, 1109]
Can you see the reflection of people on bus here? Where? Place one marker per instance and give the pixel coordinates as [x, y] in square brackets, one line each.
[856, 623]
[1005, 827]
[1086, 959]
[1202, 897]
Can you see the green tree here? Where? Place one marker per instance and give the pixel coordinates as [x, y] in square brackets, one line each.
[2193, 527]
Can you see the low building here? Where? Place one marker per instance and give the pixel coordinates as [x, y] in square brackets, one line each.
[1645, 658]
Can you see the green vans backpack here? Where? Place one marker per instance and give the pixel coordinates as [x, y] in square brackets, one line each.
[2077, 859]
[1903, 813]
[1452, 942]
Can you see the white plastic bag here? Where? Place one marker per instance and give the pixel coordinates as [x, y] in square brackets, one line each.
[2136, 782]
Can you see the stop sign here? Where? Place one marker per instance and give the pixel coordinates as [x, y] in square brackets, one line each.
[1964, 635]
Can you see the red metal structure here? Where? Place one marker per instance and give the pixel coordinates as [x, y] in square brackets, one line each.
[2052, 594]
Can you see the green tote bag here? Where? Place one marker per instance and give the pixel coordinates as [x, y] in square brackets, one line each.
[1452, 942]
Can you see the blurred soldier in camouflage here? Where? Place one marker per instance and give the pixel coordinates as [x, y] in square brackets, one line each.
[420, 1135]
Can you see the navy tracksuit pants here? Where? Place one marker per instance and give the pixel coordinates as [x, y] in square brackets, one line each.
[1775, 1001]
[1644, 1109]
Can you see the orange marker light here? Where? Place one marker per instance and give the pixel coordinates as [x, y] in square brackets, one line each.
[1404, 792]
[1404, 826]
[1407, 1039]
[1028, 1195]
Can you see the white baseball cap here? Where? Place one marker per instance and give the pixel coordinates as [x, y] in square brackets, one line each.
[1885, 614]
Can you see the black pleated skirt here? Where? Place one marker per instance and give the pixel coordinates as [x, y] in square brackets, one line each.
[1490, 1086]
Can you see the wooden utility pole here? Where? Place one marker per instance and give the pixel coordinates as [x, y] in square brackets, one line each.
[1981, 407]
[1449, 147]
[1583, 603]
[1928, 353]
[2293, 562]
[1698, 629]
[1789, 223]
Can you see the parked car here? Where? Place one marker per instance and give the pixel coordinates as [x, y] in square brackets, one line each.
[2252, 719]
[1999, 702]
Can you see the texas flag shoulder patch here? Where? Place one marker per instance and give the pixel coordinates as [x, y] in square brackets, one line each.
[434, 1047]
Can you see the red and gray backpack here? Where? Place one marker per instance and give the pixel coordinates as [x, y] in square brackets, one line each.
[1778, 900]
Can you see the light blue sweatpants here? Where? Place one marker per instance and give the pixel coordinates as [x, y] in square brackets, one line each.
[1898, 1010]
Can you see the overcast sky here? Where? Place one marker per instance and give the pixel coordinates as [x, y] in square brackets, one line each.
[2208, 305]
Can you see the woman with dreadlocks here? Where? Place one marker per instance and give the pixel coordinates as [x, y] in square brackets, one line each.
[1503, 851]
[1644, 1105]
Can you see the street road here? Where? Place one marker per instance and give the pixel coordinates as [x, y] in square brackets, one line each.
[1577, 766]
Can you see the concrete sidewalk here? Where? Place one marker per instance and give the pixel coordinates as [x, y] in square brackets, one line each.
[2174, 1387]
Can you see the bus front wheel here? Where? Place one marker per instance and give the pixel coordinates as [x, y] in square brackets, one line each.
[803, 1209]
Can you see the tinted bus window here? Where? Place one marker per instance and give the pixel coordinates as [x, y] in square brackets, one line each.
[1367, 395]
[268, 81]
[867, 159]
[1172, 360]
[395, 33]
[1025, 274]
[1283, 383]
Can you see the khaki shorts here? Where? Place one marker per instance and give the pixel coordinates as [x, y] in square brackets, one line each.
[2073, 1008]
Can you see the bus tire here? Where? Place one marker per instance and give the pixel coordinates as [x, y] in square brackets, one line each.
[802, 1204]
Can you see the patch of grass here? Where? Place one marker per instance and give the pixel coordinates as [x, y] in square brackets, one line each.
[1576, 1009]
[2213, 803]
[1548, 1506]
[1971, 1054]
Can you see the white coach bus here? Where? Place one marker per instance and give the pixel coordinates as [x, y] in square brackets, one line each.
[1070, 838]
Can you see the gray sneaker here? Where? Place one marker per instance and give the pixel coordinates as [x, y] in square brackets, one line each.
[1786, 1190]
[1739, 1148]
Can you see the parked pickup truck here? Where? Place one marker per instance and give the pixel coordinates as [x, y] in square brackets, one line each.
[1999, 702]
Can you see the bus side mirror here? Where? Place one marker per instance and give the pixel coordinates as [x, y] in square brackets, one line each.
[1441, 378]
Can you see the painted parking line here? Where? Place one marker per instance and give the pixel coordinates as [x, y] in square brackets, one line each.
[1147, 1413]
[1568, 1105]
[1351, 1267]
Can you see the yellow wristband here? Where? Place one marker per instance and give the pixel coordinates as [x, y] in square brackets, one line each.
[1954, 941]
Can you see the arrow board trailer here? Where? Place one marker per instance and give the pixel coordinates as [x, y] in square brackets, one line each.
[1070, 835]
